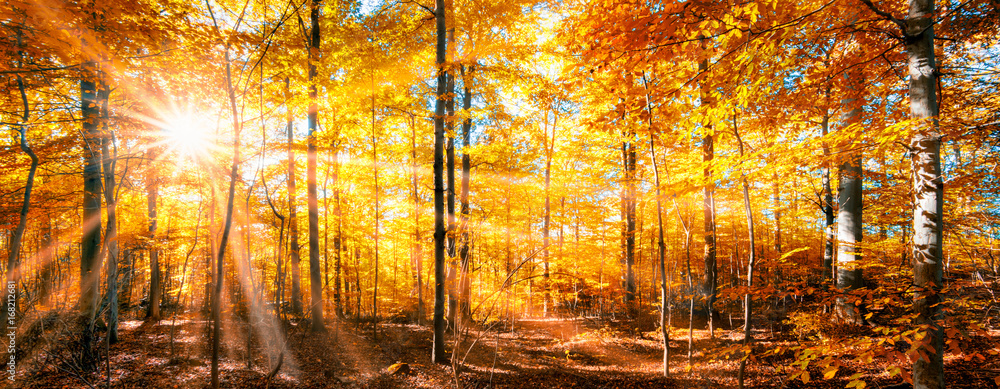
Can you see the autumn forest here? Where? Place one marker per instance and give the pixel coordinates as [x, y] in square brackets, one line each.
[500, 193]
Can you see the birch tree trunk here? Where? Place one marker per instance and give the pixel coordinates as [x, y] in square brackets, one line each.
[849, 209]
[928, 190]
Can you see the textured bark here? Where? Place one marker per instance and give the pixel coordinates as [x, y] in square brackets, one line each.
[293, 225]
[928, 190]
[91, 237]
[437, 349]
[315, 280]
[849, 209]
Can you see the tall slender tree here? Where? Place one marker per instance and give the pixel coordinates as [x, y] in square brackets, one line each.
[661, 246]
[438, 348]
[315, 279]
[109, 154]
[417, 250]
[548, 142]
[849, 207]
[465, 252]
[91, 236]
[228, 224]
[293, 224]
[152, 197]
[14, 253]
[751, 262]
[928, 191]
[708, 205]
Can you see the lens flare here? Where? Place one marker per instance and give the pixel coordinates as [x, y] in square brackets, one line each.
[186, 134]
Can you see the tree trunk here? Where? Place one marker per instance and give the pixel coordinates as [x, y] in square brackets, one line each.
[465, 254]
[281, 245]
[338, 240]
[111, 231]
[13, 256]
[438, 348]
[315, 283]
[326, 231]
[14, 253]
[777, 214]
[708, 152]
[849, 233]
[664, 329]
[293, 225]
[91, 236]
[152, 192]
[375, 168]
[827, 205]
[928, 190]
[418, 260]
[230, 198]
[450, 150]
[747, 298]
[628, 155]
[549, 149]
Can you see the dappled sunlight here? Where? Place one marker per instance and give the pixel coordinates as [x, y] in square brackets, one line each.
[500, 194]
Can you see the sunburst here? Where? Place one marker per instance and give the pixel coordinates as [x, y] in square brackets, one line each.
[188, 135]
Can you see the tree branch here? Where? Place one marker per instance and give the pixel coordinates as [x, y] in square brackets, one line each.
[888, 16]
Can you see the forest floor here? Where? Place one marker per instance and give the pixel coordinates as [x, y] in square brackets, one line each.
[551, 353]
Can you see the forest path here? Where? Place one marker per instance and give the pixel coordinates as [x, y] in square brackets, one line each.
[590, 342]
[568, 352]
